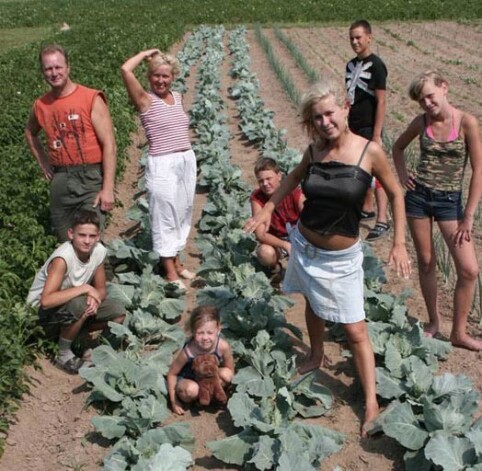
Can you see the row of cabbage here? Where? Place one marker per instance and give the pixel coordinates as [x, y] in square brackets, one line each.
[431, 416]
[127, 376]
[267, 396]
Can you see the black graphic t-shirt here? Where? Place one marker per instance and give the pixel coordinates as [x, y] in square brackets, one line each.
[362, 78]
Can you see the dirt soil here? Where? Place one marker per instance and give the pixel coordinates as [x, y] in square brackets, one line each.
[52, 430]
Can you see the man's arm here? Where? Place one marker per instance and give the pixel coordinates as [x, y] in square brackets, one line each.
[53, 295]
[31, 134]
[105, 133]
[380, 96]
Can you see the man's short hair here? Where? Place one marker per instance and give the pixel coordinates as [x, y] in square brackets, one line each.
[85, 216]
[51, 49]
[361, 24]
[266, 163]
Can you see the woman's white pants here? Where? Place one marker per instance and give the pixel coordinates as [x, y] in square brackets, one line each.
[171, 185]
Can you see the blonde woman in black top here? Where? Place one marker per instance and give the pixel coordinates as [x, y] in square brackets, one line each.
[326, 259]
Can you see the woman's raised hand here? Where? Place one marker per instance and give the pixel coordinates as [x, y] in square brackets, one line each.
[151, 52]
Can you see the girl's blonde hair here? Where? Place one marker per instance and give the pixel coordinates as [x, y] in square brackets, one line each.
[317, 92]
[156, 60]
[415, 87]
[202, 314]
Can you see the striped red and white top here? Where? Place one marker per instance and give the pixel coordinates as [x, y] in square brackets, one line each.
[166, 126]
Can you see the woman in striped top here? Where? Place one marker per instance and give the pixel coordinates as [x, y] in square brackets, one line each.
[171, 166]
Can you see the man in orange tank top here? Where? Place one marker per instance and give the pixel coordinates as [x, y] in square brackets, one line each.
[79, 159]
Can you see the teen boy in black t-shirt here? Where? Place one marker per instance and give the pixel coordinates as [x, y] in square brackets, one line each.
[365, 78]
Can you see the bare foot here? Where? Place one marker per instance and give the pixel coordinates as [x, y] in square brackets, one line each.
[467, 342]
[430, 330]
[311, 364]
[371, 412]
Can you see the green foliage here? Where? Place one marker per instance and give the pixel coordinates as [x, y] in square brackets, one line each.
[311, 73]
[263, 446]
[147, 292]
[144, 452]
[271, 375]
[437, 428]
[279, 70]
[102, 35]
[168, 457]
[11, 38]
[132, 389]
[18, 325]
[113, 15]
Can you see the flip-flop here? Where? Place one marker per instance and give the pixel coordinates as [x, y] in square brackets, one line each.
[187, 275]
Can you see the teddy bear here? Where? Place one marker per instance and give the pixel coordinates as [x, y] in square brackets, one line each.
[207, 376]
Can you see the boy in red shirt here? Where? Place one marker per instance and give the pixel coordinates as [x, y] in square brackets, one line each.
[274, 243]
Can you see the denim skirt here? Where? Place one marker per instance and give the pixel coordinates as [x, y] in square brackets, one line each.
[331, 280]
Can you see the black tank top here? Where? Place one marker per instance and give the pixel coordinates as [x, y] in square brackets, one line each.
[334, 193]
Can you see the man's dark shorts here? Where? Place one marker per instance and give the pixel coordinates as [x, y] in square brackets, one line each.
[73, 188]
[53, 319]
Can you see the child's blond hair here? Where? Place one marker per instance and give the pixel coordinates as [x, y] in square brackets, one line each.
[416, 85]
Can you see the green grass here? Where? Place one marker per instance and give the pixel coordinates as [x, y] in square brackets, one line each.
[36, 12]
[16, 37]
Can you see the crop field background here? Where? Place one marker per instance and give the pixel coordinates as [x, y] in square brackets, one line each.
[102, 34]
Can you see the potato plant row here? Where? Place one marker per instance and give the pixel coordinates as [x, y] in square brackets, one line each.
[96, 51]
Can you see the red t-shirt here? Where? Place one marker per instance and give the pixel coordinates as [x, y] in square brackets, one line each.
[287, 211]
